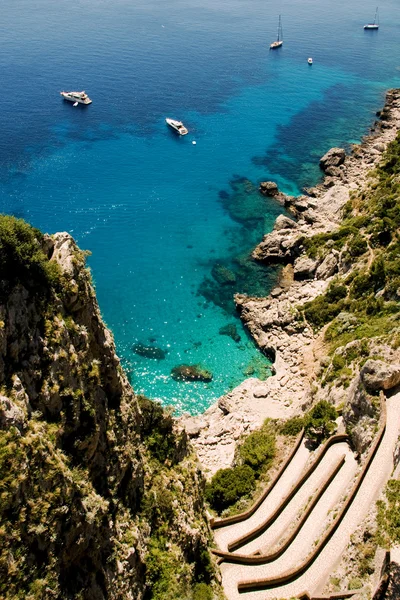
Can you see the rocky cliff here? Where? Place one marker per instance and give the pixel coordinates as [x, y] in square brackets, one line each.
[100, 494]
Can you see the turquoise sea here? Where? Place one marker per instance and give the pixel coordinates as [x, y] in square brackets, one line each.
[166, 219]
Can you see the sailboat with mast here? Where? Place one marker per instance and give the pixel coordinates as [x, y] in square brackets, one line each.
[279, 40]
[375, 24]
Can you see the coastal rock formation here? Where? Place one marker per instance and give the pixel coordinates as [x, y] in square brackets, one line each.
[269, 188]
[333, 158]
[191, 373]
[275, 322]
[377, 375]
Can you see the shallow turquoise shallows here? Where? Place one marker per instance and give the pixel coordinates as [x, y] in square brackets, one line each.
[171, 223]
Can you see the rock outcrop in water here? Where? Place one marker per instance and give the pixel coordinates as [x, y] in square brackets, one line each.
[100, 494]
[191, 373]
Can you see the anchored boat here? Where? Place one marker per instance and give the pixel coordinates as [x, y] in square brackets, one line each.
[79, 97]
[177, 126]
[375, 24]
[279, 39]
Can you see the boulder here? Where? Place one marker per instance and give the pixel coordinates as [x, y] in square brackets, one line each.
[269, 188]
[301, 203]
[277, 246]
[333, 158]
[261, 391]
[283, 222]
[191, 373]
[333, 172]
[328, 267]
[305, 267]
[378, 375]
[225, 405]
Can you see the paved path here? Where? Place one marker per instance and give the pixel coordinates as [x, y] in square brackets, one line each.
[370, 489]
[226, 535]
[279, 528]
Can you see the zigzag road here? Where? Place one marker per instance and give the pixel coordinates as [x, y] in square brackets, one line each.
[377, 475]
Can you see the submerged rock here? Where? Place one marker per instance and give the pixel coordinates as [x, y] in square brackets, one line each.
[231, 331]
[149, 351]
[223, 275]
[190, 373]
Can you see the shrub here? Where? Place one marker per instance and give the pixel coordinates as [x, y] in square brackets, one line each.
[157, 429]
[258, 449]
[292, 426]
[22, 259]
[320, 422]
[202, 591]
[389, 515]
[355, 583]
[357, 246]
[228, 485]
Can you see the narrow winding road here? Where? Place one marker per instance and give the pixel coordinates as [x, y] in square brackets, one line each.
[379, 472]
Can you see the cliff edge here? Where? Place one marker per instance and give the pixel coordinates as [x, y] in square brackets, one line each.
[100, 495]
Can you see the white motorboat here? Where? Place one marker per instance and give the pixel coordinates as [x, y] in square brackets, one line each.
[178, 126]
[310, 61]
[80, 97]
[279, 39]
[375, 24]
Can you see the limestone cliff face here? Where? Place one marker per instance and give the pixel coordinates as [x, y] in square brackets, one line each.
[99, 494]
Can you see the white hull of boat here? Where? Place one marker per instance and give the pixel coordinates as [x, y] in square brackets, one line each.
[275, 45]
[177, 126]
[371, 26]
[74, 99]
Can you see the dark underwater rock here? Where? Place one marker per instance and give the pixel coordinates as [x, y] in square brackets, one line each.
[231, 331]
[149, 351]
[223, 275]
[191, 373]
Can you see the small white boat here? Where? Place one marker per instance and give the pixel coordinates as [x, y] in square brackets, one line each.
[279, 39]
[375, 24]
[80, 97]
[310, 61]
[177, 126]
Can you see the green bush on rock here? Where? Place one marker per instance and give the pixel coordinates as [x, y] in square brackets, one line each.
[258, 449]
[320, 421]
[228, 485]
[292, 426]
[22, 259]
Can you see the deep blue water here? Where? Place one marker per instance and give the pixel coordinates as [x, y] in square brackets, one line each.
[157, 212]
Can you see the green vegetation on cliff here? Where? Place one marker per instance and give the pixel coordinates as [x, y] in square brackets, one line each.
[100, 494]
[369, 238]
[23, 258]
[389, 515]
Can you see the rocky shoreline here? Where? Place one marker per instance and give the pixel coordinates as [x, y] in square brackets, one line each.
[295, 350]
